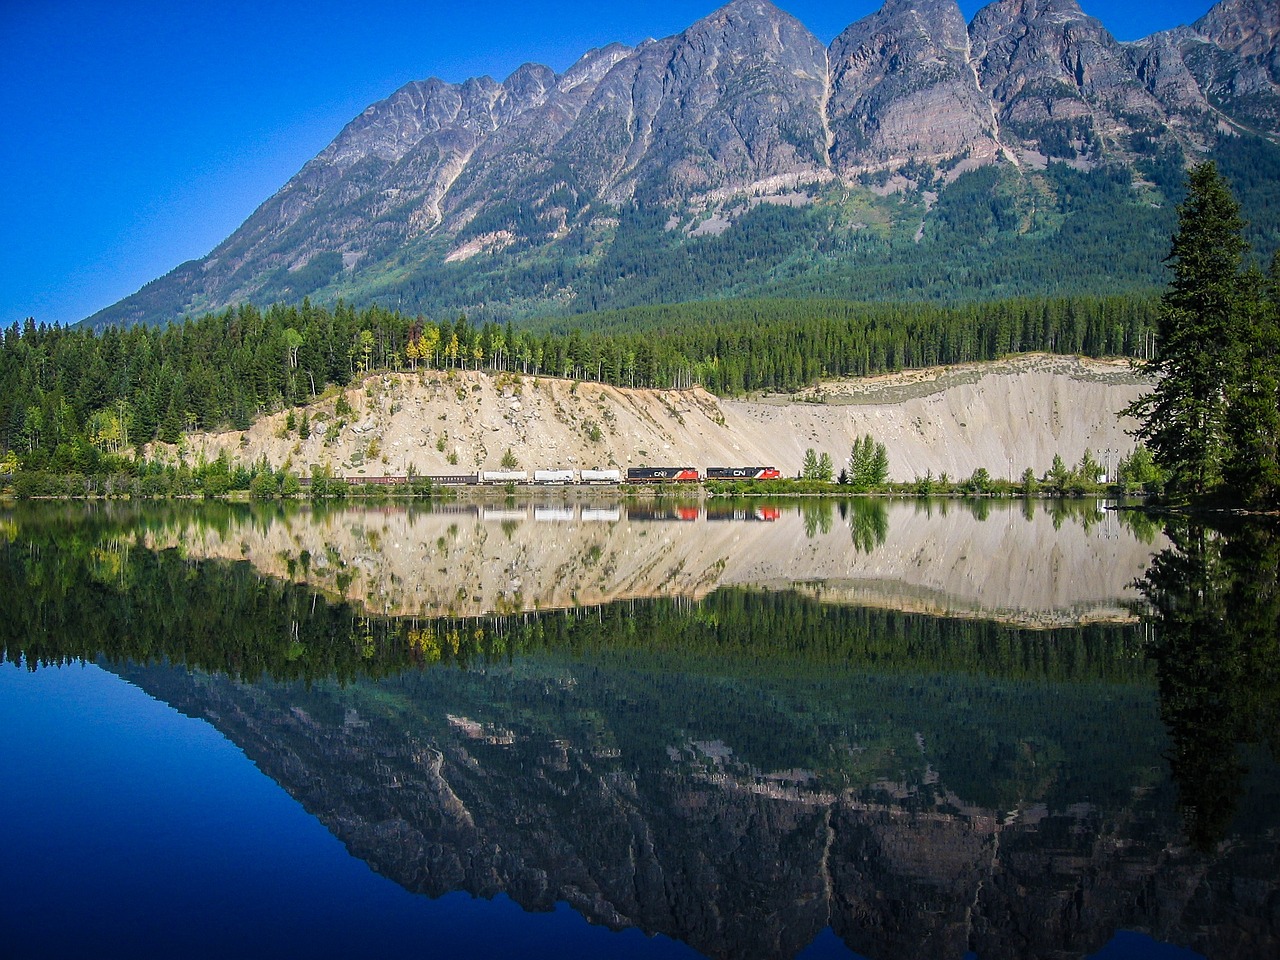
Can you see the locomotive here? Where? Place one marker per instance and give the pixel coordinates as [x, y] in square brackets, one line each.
[743, 473]
[662, 475]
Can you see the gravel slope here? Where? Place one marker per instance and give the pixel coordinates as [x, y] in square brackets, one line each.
[1004, 416]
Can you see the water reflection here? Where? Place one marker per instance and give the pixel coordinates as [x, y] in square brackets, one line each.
[742, 771]
[1215, 602]
[1053, 565]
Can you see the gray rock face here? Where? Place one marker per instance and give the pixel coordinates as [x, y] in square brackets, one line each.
[1246, 28]
[1223, 68]
[1159, 63]
[903, 87]
[745, 101]
[1060, 84]
[736, 98]
[1237, 62]
[522, 147]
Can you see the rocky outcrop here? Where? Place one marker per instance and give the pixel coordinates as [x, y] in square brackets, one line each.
[904, 88]
[1059, 83]
[1233, 55]
[735, 99]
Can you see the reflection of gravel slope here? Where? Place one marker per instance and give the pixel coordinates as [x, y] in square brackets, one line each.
[458, 563]
[1003, 416]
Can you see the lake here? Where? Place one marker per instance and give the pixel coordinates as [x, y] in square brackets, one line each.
[588, 728]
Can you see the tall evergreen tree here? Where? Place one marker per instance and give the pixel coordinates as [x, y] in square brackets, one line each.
[1184, 419]
[1253, 423]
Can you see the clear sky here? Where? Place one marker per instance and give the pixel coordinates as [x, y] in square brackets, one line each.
[137, 134]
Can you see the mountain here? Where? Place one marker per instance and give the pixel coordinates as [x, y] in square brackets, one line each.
[916, 157]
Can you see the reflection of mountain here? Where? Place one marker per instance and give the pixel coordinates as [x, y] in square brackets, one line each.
[738, 772]
[917, 816]
[462, 561]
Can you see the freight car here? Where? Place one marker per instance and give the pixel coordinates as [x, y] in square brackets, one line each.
[504, 476]
[560, 476]
[601, 476]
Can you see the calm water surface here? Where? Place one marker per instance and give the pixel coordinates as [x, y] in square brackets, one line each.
[590, 729]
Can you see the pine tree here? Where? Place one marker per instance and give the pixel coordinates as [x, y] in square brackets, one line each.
[1184, 418]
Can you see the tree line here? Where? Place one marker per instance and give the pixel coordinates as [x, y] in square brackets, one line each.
[73, 400]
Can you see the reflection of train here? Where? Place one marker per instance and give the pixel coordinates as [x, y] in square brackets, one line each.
[560, 477]
[636, 512]
[768, 512]
[642, 512]
[684, 513]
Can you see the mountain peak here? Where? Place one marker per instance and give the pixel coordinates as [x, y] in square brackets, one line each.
[1247, 28]
[744, 9]
[903, 89]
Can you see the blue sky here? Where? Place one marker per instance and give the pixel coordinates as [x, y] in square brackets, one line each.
[137, 134]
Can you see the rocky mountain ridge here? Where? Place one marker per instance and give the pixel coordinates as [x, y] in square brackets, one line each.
[442, 181]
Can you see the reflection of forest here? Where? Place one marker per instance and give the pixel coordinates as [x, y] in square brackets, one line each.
[1053, 563]
[738, 772]
[81, 587]
[1215, 602]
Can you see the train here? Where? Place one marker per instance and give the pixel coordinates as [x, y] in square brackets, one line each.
[573, 477]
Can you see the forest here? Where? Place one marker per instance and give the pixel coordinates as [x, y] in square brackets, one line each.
[73, 400]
